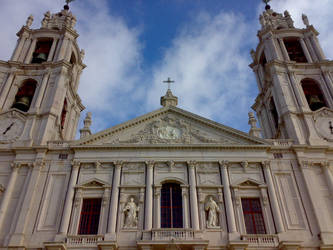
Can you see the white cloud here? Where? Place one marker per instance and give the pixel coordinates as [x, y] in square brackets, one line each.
[209, 61]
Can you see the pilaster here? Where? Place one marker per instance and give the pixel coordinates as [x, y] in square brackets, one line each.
[149, 196]
[111, 231]
[193, 196]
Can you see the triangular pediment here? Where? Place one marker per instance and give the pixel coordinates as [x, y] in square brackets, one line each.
[170, 125]
[247, 182]
[93, 183]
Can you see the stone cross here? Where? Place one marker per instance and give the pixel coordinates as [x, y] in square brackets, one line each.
[169, 81]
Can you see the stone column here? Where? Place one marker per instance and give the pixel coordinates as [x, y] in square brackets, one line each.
[328, 175]
[63, 48]
[49, 58]
[227, 196]
[114, 200]
[272, 196]
[305, 49]
[193, 196]
[6, 88]
[317, 48]
[69, 199]
[149, 196]
[185, 206]
[41, 91]
[310, 48]
[284, 50]
[157, 214]
[8, 192]
[31, 50]
[18, 238]
[19, 47]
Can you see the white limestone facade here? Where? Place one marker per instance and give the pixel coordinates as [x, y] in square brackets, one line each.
[169, 179]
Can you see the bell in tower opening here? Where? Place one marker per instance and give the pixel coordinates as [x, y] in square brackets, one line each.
[42, 51]
[313, 94]
[24, 96]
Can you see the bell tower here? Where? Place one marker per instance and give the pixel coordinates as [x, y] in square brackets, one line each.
[295, 81]
[38, 85]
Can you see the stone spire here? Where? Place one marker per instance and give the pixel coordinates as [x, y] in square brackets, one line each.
[254, 130]
[85, 131]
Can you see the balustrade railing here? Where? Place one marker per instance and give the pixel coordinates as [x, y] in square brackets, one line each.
[169, 234]
[84, 240]
[262, 240]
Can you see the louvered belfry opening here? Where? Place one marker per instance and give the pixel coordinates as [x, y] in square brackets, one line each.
[90, 213]
[171, 206]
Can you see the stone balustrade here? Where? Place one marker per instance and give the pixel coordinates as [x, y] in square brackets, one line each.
[261, 240]
[170, 234]
[84, 240]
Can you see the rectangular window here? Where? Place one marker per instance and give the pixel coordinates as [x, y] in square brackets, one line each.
[171, 206]
[90, 213]
[254, 221]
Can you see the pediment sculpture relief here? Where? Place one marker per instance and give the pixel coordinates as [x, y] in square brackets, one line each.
[170, 130]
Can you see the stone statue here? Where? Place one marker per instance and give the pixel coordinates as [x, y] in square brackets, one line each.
[212, 208]
[29, 21]
[130, 211]
[305, 20]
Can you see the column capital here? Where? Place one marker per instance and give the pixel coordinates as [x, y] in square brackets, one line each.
[306, 164]
[224, 164]
[192, 164]
[76, 164]
[150, 164]
[118, 164]
[266, 164]
[157, 190]
[325, 164]
[16, 165]
[39, 163]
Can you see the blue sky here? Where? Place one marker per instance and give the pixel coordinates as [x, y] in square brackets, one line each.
[133, 45]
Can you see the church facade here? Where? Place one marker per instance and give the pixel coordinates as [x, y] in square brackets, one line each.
[169, 179]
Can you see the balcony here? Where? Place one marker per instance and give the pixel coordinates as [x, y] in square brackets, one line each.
[261, 240]
[172, 234]
[83, 240]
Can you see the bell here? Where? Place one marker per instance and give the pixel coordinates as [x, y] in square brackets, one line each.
[42, 57]
[23, 103]
[315, 103]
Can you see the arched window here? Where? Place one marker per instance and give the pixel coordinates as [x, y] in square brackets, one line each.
[274, 113]
[295, 50]
[313, 94]
[63, 114]
[171, 206]
[24, 95]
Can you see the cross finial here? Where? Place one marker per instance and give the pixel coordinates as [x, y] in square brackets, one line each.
[169, 81]
[66, 7]
[267, 5]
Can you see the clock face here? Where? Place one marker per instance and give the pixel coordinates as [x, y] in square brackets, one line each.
[324, 126]
[169, 133]
[10, 129]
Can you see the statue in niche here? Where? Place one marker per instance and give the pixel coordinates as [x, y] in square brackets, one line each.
[130, 210]
[212, 208]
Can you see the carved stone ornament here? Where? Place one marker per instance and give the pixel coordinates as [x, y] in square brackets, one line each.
[131, 214]
[2, 188]
[324, 123]
[212, 210]
[170, 130]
